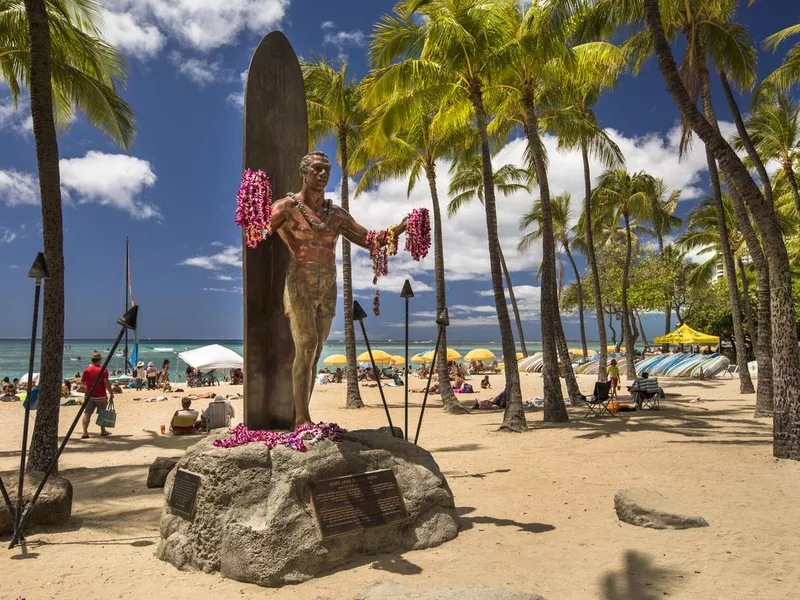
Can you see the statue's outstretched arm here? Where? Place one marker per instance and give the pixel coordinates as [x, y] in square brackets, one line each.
[357, 233]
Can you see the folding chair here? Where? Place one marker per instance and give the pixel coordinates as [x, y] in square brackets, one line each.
[600, 399]
[731, 371]
[648, 392]
[216, 416]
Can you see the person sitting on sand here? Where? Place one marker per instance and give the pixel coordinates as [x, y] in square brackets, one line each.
[423, 372]
[5, 384]
[230, 413]
[458, 383]
[191, 377]
[485, 383]
[180, 420]
[337, 376]
[322, 378]
[9, 394]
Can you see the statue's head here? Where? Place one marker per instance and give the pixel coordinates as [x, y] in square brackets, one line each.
[315, 169]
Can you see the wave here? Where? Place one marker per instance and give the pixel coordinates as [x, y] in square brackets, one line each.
[163, 349]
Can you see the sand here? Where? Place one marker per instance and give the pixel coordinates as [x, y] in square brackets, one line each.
[537, 508]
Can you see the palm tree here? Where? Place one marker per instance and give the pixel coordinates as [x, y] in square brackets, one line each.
[626, 197]
[562, 234]
[786, 439]
[662, 211]
[334, 108]
[581, 130]
[408, 146]
[788, 74]
[55, 49]
[709, 34]
[703, 234]
[450, 46]
[467, 184]
[774, 129]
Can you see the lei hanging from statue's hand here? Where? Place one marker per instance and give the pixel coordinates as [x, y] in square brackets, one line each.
[383, 244]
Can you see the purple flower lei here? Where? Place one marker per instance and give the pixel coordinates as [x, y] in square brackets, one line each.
[254, 206]
[300, 439]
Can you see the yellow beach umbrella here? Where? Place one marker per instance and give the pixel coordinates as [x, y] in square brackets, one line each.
[398, 360]
[520, 356]
[451, 355]
[335, 360]
[381, 357]
[418, 359]
[579, 352]
[613, 349]
[479, 354]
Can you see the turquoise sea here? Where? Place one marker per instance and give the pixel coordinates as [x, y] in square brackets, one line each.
[14, 353]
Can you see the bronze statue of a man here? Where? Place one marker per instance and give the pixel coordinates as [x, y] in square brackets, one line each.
[310, 225]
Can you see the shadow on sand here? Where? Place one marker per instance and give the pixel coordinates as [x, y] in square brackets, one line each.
[638, 579]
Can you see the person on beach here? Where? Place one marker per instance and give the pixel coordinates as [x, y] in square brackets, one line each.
[151, 375]
[101, 395]
[9, 393]
[164, 374]
[485, 383]
[613, 377]
[141, 376]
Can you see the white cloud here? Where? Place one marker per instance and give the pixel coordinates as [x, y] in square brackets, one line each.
[6, 235]
[340, 39]
[217, 243]
[232, 290]
[13, 266]
[202, 25]
[114, 180]
[199, 70]
[17, 119]
[224, 278]
[229, 256]
[18, 188]
[132, 36]
[237, 98]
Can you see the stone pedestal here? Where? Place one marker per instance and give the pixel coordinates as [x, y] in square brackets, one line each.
[53, 507]
[254, 519]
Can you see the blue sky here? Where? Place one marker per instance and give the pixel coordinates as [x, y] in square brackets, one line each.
[174, 192]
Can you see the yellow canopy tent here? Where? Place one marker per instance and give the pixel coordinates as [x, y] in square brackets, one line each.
[686, 335]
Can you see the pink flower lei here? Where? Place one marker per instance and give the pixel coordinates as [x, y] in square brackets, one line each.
[254, 206]
[300, 439]
[383, 244]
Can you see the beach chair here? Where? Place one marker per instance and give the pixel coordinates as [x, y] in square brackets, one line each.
[645, 392]
[731, 371]
[216, 416]
[600, 399]
[182, 425]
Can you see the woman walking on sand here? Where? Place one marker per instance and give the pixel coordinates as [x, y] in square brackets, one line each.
[164, 374]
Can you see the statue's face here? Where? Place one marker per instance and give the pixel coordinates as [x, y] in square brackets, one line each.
[319, 171]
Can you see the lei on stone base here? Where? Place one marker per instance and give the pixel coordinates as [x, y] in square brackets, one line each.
[301, 439]
[383, 244]
[254, 207]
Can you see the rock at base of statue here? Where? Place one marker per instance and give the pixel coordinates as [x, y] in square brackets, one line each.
[254, 521]
[53, 507]
[158, 471]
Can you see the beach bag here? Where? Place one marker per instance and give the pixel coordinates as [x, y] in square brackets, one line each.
[107, 417]
[467, 389]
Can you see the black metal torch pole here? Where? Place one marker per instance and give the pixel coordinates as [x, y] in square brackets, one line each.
[442, 321]
[128, 321]
[359, 315]
[406, 293]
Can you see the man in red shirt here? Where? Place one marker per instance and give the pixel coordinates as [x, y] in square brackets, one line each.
[100, 396]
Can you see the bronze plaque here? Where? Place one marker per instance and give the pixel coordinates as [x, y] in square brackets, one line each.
[184, 493]
[355, 503]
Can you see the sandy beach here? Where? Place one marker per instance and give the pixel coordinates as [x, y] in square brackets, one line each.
[537, 509]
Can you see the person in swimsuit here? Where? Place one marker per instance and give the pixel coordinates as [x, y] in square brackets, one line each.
[310, 225]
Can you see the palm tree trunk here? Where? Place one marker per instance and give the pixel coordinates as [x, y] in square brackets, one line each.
[353, 392]
[598, 299]
[45, 434]
[580, 299]
[554, 408]
[514, 416]
[747, 142]
[613, 331]
[449, 400]
[748, 310]
[745, 382]
[786, 355]
[627, 333]
[787, 168]
[641, 328]
[573, 391]
[514, 307]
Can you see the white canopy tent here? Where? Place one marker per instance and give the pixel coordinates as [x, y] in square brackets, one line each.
[209, 358]
[24, 379]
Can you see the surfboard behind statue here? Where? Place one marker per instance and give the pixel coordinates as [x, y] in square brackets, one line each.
[275, 139]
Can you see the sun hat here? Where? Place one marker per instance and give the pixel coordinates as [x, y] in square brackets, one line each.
[139, 364]
[96, 356]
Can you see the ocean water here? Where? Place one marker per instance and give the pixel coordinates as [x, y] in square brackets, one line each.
[14, 353]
